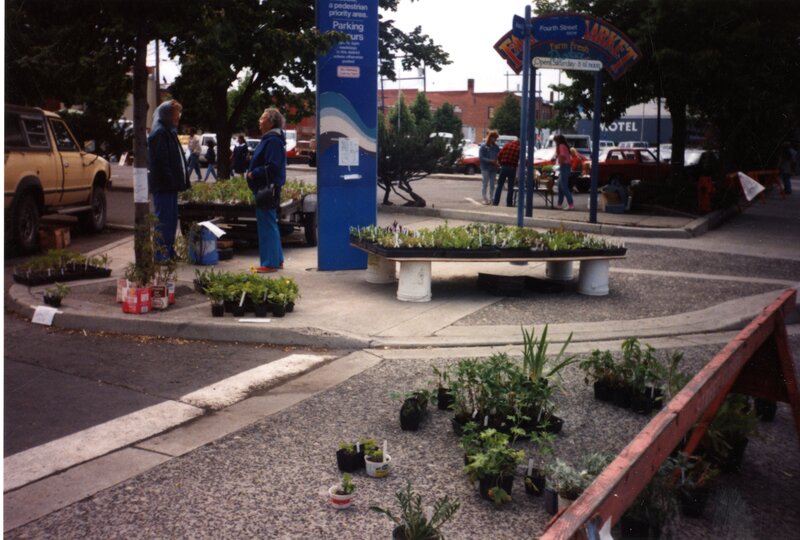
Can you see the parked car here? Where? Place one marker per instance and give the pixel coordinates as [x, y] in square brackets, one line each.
[634, 144]
[46, 170]
[582, 143]
[502, 140]
[605, 144]
[698, 162]
[626, 164]
[469, 162]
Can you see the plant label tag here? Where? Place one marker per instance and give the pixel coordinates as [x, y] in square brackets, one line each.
[44, 315]
[530, 466]
[241, 300]
[486, 421]
[358, 447]
[475, 413]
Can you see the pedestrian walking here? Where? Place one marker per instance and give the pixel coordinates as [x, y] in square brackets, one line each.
[563, 159]
[267, 171]
[786, 166]
[488, 158]
[508, 158]
[239, 161]
[166, 175]
[211, 159]
[194, 154]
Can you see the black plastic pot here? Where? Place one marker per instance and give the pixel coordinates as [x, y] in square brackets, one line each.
[278, 310]
[444, 399]
[733, 460]
[641, 403]
[458, 424]
[693, 502]
[554, 424]
[229, 305]
[348, 462]
[410, 415]
[550, 500]
[766, 409]
[535, 483]
[603, 391]
[289, 307]
[261, 310]
[622, 396]
[53, 301]
[238, 311]
[399, 533]
[217, 310]
[656, 397]
[487, 483]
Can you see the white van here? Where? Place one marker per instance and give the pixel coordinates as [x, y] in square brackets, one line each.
[581, 143]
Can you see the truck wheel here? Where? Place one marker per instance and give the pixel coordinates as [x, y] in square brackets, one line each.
[25, 226]
[470, 170]
[310, 228]
[95, 219]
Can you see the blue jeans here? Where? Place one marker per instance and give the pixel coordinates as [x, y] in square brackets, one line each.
[563, 185]
[269, 238]
[194, 166]
[787, 183]
[212, 170]
[506, 173]
[487, 181]
[166, 209]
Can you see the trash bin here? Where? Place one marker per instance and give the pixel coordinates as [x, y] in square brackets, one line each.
[203, 247]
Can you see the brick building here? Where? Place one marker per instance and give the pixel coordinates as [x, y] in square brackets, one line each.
[474, 108]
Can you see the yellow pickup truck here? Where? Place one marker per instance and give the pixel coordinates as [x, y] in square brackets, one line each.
[46, 171]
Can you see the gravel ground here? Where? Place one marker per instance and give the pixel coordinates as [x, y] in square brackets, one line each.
[634, 295]
[269, 480]
[651, 257]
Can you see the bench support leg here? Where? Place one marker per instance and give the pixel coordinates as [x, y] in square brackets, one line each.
[593, 278]
[415, 281]
[559, 270]
[380, 270]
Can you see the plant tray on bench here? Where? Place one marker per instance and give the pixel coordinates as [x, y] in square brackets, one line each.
[40, 277]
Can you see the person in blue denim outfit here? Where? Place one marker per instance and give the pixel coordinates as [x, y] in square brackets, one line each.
[563, 160]
[488, 156]
[166, 175]
[268, 167]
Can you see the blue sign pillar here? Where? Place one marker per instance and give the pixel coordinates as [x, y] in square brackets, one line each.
[347, 130]
[598, 103]
[525, 29]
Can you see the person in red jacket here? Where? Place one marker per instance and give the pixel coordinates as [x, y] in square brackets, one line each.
[508, 158]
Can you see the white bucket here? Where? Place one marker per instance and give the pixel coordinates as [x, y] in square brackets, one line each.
[415, 281]
[340, 502]
[380, 270]
[559, 270]
[593, 278]
[379, 470]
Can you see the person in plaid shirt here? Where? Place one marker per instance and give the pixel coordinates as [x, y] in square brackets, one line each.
[508, 159]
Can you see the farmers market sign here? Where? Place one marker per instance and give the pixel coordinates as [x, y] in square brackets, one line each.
[570, 41]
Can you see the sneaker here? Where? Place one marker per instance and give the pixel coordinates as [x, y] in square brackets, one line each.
[571, 207]
[266, 270]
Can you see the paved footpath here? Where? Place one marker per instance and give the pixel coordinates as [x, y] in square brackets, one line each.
[715, 283]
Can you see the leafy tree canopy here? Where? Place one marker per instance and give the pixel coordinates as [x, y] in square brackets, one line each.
[507, 115]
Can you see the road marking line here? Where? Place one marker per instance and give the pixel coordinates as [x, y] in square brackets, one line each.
[233, 389]
[30, 465]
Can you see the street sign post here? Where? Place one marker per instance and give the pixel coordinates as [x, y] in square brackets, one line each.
[546, 62]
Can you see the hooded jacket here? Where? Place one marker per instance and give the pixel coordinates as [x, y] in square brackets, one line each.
[166, 164]
[268, 165]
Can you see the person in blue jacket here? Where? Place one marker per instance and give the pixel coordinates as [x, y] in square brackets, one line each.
[268, 168]
[166, 175]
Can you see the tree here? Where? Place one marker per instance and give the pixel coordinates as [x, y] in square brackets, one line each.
[446, 120]
[406, 151]
[506, 116]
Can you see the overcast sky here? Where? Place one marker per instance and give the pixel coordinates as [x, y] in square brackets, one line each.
[466, 29]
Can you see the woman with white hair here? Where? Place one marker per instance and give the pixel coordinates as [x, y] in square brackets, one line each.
[265, 176]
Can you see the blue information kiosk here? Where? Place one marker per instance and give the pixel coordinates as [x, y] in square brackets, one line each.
[347, 128]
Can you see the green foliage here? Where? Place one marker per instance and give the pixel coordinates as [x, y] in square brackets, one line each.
[220, 286]
[236, 191]
[534, 355]
[496, 456]
[56, 260]
[59, 290]
[506, 116]
[346, 487]
[412, 516]
[446, 120]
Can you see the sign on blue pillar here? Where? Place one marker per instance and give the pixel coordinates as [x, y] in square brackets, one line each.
[347, 130]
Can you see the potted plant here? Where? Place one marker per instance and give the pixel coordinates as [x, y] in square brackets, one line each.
[216, 294]
[729, 432]
[567, 481]
[696, 474]
[138, 297]
[414, 408]
[535, 479]
[653, 508]
[444, 399]
[377, 461]
[494, 465]
[348, 458]
[413, 523]
[599, 371]
[534, 356]
[53, 296]
[341, 495]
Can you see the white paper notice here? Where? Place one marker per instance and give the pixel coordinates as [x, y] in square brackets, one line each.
[140, 193]
[348, 152]
[750, 187]
[44, 315]
[216, 231]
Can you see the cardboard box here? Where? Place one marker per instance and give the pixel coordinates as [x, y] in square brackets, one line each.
[55, 238]
[138, 301]
[160, 298]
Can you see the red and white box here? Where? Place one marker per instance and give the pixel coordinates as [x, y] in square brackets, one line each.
[138, 301]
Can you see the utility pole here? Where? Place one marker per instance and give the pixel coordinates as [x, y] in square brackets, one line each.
[140, 109]
[157, 78]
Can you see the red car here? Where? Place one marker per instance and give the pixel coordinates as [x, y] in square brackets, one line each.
[469, 162]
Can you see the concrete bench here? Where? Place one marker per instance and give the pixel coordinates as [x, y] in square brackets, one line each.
[414, 280]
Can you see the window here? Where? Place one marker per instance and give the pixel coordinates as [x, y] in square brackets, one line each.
[36, 132]
[64, 140]
[491, 112]
[647, 157]
[14, 135]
